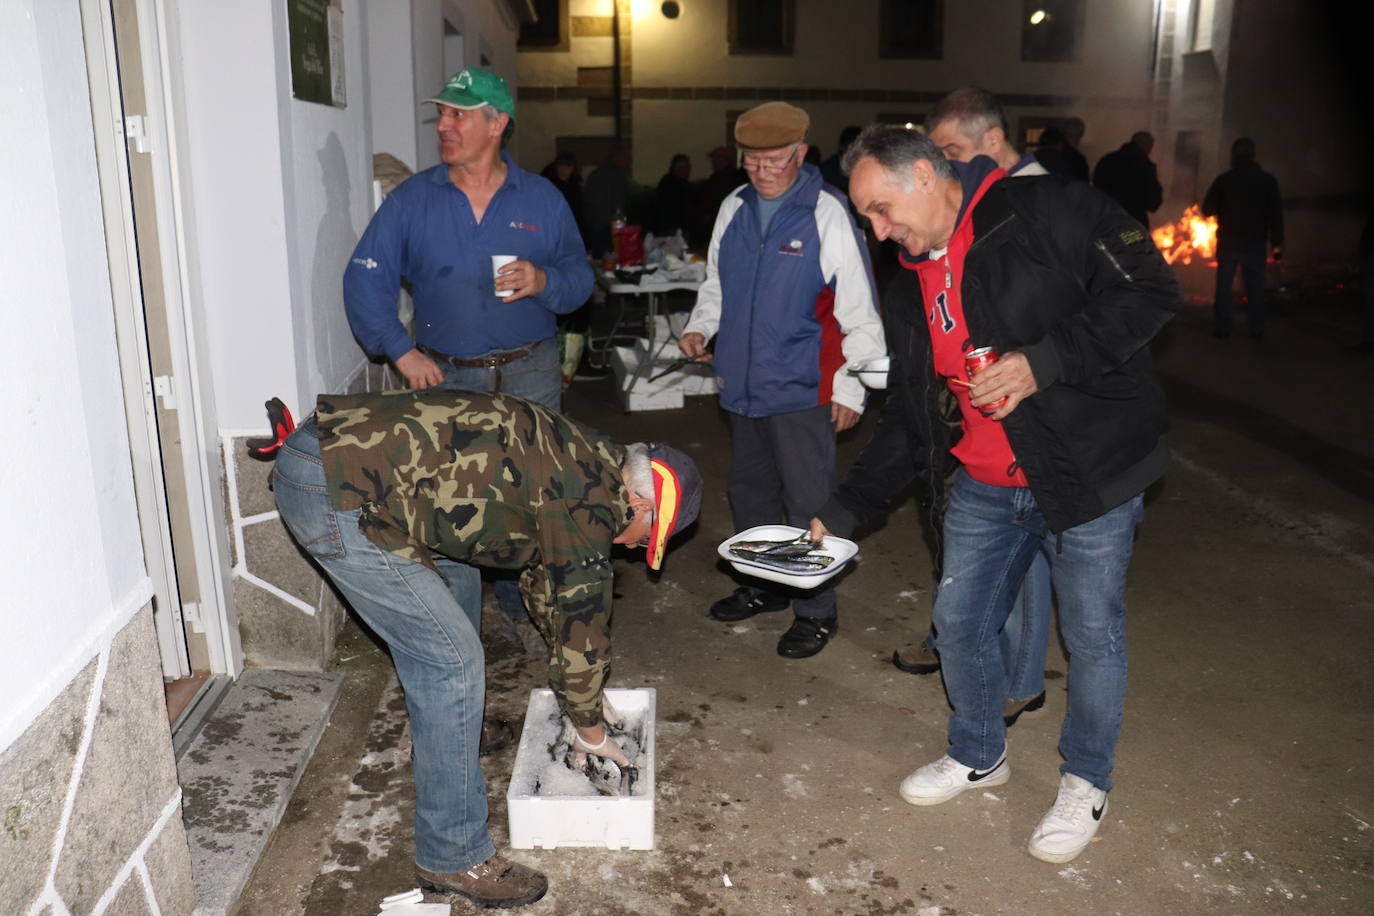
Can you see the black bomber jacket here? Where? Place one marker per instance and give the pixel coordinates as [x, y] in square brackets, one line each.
[1058, 271]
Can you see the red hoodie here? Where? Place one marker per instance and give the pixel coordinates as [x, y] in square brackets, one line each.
[983, 449]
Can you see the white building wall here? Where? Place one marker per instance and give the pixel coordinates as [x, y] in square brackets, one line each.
[72, 571]
[836, 47]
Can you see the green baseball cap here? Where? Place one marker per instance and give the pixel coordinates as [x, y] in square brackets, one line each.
[473, 87]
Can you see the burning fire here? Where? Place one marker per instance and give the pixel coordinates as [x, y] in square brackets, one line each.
[1193, 234]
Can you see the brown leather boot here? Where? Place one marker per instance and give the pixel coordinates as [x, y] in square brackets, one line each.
[497, 735]
[916, 659]
[497, 883]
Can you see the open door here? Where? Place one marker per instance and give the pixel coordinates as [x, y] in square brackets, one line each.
[134, 159]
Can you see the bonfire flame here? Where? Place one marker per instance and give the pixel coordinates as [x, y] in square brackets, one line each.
[1193, 234]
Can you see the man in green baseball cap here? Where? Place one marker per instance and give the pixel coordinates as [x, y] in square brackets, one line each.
[478, 327]
[473, 87]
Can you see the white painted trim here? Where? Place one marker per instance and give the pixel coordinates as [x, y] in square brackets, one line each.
[61, 675]
[93, 701]
[130, 333]
[280, 593]
[136, 862]
[231, 479]
[196, 415]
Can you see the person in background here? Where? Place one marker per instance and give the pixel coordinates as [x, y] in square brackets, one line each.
[1077, 163]
[1058, 153]
[726, 176]
[606, 195]
[564, 175]
[789, 298]
[1249, 212]
[1129, 177]
[675, 198]
[830, 168]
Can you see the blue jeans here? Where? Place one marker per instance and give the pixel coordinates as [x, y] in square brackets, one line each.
[430, 622]
[1026, 635]
[991, 536]
[1250, 257]
[539, 378]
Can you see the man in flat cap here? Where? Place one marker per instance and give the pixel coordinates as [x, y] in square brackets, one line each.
[789, 296]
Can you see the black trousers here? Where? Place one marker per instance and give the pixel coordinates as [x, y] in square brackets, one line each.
[782, 470]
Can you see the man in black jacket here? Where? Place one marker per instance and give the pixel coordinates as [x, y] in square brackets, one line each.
[1249, 215]
[1061, 437]
[1129, 177]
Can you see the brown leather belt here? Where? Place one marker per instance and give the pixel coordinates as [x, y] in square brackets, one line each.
[488, 361]
[493, 360]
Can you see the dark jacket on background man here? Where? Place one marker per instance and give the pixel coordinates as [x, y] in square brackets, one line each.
[1247, 205]
[1057, 272]
[1129, 177]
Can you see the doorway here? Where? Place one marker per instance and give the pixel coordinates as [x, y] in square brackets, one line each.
[164, 408]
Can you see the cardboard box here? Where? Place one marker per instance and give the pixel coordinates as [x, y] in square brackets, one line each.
[546, 822]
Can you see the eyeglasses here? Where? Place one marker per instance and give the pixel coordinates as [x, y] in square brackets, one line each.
[756, 163]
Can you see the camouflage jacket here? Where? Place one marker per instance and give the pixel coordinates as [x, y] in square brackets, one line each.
[486, 479]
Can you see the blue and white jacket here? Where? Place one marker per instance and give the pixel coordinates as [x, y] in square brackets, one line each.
[790, 309]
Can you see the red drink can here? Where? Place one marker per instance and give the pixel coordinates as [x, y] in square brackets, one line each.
[974, 362]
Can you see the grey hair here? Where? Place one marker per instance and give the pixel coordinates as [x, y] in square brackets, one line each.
[974, 110]
[639, 480]
[896, 149]
[490, 111]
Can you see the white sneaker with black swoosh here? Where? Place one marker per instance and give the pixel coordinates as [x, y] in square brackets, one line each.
[1071, 823]
[940, 781]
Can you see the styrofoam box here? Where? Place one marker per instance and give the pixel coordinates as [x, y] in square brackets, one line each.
[547, 822]
[662, 394]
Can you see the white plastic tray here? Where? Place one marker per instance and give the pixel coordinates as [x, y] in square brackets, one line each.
[842, 549]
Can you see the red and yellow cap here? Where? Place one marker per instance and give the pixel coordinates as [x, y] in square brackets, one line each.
[677, 498]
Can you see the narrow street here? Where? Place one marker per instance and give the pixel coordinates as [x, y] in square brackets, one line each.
[1244, 767]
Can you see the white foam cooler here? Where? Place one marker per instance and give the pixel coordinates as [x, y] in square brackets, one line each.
[547, 822]
[665, 393]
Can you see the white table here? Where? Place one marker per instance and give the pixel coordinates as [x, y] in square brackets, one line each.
[652, 289]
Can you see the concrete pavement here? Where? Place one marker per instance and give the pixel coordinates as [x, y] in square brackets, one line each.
[1243, 774]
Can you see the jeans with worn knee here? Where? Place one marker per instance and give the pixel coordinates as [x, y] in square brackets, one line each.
[430, 622]
[992, 534]
[537, 377]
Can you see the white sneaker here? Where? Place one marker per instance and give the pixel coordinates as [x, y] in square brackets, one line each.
[945, 778]
[1071, 824]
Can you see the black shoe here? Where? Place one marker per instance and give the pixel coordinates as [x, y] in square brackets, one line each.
[746, 601]
[807, 636]
[917, 659]
[1012, 709]
[496, 734]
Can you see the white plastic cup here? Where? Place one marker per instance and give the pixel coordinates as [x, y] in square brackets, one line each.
[497, 262]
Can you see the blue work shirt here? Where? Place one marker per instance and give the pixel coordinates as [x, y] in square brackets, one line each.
[425, 231]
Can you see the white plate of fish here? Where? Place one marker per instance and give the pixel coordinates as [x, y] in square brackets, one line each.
[786, 555]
